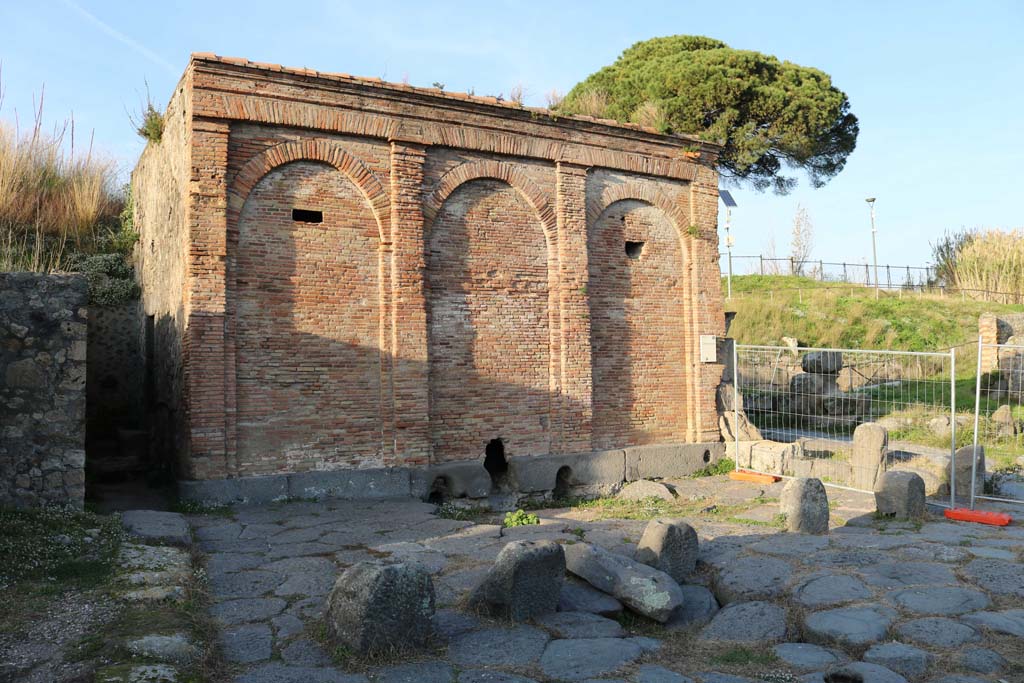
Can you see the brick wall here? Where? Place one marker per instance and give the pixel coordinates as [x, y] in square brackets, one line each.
[469, 280]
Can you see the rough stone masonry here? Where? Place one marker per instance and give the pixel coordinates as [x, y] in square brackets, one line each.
[360, 287]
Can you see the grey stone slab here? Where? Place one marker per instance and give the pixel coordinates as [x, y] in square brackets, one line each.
[829, 590]
[251, 583]
[301, 535]
[247, 610]
[276, 672]
[983, 660]
[936, 552]
[716, 677]
[992, 553]
[449, 623]
[246, 644]
[484, 676]
[903, 659]
[308, 608]
[864, 671]
[300, 549]
[452, 587]
[577, 660]
[807, 657]
[299, 565]
[645, 590]
[176, 648]
[154, 526]
[749, 623]
[418, 672]
[646, 644]
[579, 625]
[228, 531]
[287, 625]
[251, 531]
[652, 673]
[959, 678]
[577, 596]
[937, 632]
[790, 545]
[698, 608]
[752, 578]
[939, 600]
[407, 551]
[517, 646]
[227, 563]
[1001, 577]
[305, 652]
[307, 584]
[850, 626]
[892, 575]
[1010, 621]
[251, 545]
[842, 558]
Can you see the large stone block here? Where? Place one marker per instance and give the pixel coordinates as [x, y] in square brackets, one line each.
[870, 447]
[525, 581]
[822, 362]
[963, 460]
[670, 460]
[804, 502]
[645, 590]
[900, 495]
[600, 469]
[670, 546]
[375, 607]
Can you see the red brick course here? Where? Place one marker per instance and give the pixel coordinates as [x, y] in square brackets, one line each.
[469, 280]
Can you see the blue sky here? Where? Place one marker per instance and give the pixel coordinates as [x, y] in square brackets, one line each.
[936, 85]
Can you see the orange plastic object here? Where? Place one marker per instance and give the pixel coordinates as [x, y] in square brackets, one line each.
[979, 516]
[744, 475]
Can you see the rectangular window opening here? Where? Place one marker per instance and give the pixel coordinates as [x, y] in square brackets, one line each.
[307, 216]
[634, 249]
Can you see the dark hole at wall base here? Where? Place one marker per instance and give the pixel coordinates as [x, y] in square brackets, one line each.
[563, 482]
[707, 456]
[496, 464]
[439, 491]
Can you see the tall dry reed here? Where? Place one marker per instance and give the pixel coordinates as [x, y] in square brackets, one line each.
[990, 266]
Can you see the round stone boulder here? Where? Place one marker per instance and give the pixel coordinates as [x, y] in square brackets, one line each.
[805, 505]
[375, 607]
[670, 546]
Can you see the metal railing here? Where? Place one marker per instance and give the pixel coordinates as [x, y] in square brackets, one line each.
[889, 276]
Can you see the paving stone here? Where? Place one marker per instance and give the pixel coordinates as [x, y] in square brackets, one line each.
[669, 545]
[246, 644]
[577, 596]
[790, 545]
[247, 584]
[309, 608]
[933, 551]
[652, 673]
[525, 581]
[305, 652]
[937, 632]
[982, 660]
[260, 530]
[418, 672]
[959, 678]
[300, 550]
[176, 648]
[1010, 621]
[157, 527]
[807, 657]
[644, 489]
[698, 608]
[939, 600]
[646, 644]
[871, 540]
[307, 584]
[452, 587]
[576, 660]
[831, 589]
[751, 623]
[253, 545]
[287, 625]
[407, 551]
[296, 536]
[228, 531]
[275, 672]
[227, 563]
[517, 646]
[483, 676]
[449, 623]
[863, 671]
[143, 673]
[903, 659]
[752, 578]
[992, 553]
[842, 558]
[996, 576]
[850, 626]
[580, 625]
[715, 677]
[643, 589]
[893, 575]
[245, 610]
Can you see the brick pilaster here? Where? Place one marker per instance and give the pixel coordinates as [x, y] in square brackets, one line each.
[577, 383]
[410, 380]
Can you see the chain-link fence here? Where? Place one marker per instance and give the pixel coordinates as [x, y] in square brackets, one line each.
[845, 416]
[998, 424]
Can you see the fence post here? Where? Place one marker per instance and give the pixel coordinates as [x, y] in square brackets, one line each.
[762, 263]
[845, 277]
[952, 428]
[821, 270]
[888, 278]
[792, 266]
[736, 403]
[867, 275]
[977, 415]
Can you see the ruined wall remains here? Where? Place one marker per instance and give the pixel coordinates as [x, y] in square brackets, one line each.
[43, 327]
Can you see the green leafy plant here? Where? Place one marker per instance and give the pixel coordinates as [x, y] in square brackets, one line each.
[520, 518]
[722, 466]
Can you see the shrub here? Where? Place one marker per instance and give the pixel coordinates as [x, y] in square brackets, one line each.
[521, 518]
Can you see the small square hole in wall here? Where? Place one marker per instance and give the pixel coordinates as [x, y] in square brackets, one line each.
[307, 216]
[634, 249]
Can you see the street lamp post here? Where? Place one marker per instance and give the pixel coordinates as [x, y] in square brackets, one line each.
[729, 203]
[874, 248]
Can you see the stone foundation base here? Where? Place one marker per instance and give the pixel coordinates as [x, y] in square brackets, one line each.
[598, 470]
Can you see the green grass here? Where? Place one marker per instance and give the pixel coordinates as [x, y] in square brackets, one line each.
[652, 508]
[723, 466]
[742, 656]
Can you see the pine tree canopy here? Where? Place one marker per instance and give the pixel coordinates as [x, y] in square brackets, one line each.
[770, 115]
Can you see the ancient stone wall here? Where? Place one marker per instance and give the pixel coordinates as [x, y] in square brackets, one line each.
[1001, 329]
[381, 276]
[43, 327]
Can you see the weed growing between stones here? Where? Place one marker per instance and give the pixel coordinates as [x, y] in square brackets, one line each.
[461, 513]
[723, 466]
[191, 507]
[743, 656]
[520, 518]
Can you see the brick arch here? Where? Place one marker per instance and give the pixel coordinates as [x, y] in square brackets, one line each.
[497, 170]
[641, 192]
[313, 149]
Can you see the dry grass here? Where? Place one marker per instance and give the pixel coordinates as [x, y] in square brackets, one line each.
[51, 193]
[590, 103]
[992, 264]
[651, 115]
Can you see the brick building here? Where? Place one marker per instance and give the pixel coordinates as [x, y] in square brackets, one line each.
[366, 288]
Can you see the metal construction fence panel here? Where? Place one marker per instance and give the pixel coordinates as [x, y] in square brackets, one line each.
[998, 424]
[845, 416]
